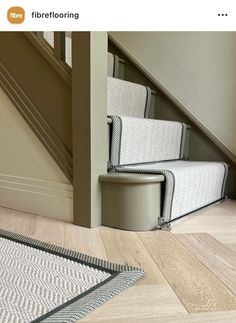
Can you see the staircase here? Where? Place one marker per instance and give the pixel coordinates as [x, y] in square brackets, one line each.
[148, 146]
[148, 159]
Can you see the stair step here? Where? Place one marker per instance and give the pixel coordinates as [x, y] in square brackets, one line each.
[157, 147]
[127, 98]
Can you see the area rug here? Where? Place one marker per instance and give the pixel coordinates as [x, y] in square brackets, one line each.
[40, 282]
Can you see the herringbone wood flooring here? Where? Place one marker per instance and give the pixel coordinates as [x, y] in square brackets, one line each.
[190, 270]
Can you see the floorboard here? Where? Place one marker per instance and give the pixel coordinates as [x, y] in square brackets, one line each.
[225, 237]
[218, 258]
[212, 317]
[139, 302]
[231, 246]
[15, 221]
[125, 248]
[216, 218]
[197, 287]
[192, 272]
[49, 230]
[85, 240]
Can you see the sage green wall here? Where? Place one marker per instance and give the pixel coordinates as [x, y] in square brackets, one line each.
[30, 179]
[21, 152]
[198, 68]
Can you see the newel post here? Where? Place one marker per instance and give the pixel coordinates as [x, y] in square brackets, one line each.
[89, 78]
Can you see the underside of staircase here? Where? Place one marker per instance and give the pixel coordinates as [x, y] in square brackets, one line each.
[152, 178]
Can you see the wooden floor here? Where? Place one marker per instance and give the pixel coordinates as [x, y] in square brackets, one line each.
[190, 271]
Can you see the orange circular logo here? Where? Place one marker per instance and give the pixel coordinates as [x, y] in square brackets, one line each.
[16, 15]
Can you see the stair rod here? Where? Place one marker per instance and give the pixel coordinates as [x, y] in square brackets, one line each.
[153, 92]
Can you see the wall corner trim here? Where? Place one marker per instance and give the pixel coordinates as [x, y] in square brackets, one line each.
[36, 196]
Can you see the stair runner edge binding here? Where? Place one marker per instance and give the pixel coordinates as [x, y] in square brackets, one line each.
[188, 186]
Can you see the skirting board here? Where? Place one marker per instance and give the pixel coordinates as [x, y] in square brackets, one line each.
[40, 197]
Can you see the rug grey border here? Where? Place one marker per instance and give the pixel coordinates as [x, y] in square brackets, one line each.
[121, 278]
